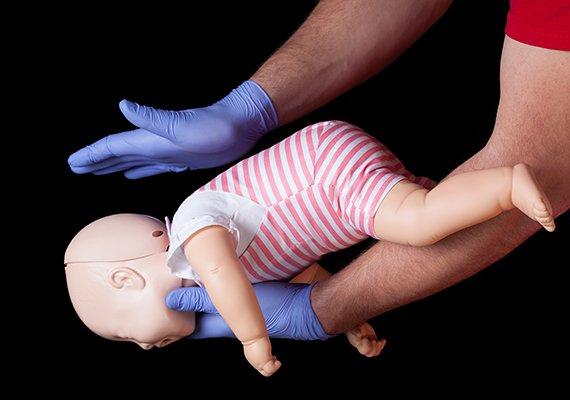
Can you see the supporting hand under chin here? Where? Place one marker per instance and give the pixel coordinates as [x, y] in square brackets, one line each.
[286, 308]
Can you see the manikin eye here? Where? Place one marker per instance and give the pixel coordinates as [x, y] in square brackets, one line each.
[157, 233]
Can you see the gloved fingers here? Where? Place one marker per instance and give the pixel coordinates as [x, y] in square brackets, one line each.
[190, 299]
[94, 153]
[160, 122]
[144, 172]
[110, 162]
[153, 169]
[211, 326]
[112, 146]
[139, 142]
[121, 166]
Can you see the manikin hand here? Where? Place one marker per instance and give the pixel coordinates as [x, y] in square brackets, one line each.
[258, 353]
[364, 339]
[174, 141]
[286, 308]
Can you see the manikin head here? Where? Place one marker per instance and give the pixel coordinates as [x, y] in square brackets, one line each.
[118, 280]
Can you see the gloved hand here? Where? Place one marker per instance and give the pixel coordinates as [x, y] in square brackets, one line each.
[173, 141]
[286, 307]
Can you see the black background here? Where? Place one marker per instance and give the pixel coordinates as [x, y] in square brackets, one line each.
[434, 107]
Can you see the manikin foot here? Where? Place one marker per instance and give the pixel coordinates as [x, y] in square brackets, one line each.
[528, 197]
[364, 339]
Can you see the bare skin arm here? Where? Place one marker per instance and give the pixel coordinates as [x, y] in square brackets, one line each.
[342, 43]
[363, 337]
[211, 252]
[532, 126]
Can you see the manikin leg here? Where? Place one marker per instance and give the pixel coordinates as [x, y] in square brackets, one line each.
[416, 216]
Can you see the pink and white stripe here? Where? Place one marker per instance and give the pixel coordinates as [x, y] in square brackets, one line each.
[321, 187]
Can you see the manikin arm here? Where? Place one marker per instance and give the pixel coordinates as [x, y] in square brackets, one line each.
[211, 252]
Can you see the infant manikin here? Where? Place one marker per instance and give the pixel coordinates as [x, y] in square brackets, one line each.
[118, 280]
[272, 215]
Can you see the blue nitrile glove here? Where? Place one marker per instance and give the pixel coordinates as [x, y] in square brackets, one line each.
[286, 307]
[173, 141]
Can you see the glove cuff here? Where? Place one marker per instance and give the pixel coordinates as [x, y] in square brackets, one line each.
[263, 103]
[256, 105]
[313, 323]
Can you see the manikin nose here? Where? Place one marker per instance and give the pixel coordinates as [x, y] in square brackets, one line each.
[145, 346]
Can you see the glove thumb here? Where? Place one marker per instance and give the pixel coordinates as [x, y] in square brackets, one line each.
[160, 122]
[190, 299]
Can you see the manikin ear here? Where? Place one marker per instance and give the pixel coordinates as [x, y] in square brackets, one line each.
[126, 278]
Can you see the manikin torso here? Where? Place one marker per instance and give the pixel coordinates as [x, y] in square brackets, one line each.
[292, 203]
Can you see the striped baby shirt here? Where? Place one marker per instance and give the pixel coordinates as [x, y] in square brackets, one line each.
[313, 193]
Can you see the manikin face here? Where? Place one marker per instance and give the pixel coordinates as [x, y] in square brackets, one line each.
[125, 301]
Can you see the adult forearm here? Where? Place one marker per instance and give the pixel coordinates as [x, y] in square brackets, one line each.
[341, 44]
[390, 275]
[533, 126]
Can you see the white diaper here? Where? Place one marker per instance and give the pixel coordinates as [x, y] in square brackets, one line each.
[241, 216]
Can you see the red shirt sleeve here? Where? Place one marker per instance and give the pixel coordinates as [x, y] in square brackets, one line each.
[542, 23]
